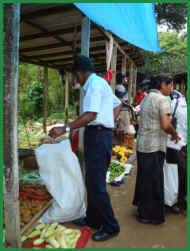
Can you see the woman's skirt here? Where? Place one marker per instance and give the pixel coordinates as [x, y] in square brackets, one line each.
[149, 191]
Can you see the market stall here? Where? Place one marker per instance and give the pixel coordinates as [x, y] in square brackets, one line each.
[49, 36]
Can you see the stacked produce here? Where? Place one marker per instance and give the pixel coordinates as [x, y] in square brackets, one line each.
[115, 170]
[29, 177]
[51, 236]
[121, 152]
[32, 199]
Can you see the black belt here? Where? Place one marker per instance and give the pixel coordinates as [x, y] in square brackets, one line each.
[97, 127]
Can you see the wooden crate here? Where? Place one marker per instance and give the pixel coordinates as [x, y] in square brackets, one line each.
[30, 226]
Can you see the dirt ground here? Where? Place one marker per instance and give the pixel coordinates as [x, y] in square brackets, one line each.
[171, 234]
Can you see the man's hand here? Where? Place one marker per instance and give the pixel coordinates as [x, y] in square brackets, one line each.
[57, 131]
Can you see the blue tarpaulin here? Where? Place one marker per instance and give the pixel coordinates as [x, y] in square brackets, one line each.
[132, 22]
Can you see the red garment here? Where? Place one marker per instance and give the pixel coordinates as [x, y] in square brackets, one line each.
[139, 97]
[75, 142]
[109, 75]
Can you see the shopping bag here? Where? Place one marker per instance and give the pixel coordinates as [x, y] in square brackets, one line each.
[170, 184]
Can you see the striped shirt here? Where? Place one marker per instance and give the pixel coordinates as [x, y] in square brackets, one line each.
[151, 138]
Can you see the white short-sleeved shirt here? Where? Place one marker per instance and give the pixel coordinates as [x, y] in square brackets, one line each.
[181, 116]
[99, 98]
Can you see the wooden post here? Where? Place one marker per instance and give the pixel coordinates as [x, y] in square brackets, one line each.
[134, 81]
[66, 96]
[130, 83]
[124, 66]
[11, 183]
[114, 67]
[45, 99]
[85, 48]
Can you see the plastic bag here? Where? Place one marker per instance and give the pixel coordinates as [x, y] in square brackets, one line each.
[60, 170]
[170, 184]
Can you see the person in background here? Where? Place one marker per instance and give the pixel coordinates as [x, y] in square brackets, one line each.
[139, 96]
[177, 153]
[155, 125]
[121, 90]
[100, 108]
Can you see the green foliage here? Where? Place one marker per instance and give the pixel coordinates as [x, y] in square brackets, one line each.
[173, 15]
[173, 58]
[31, 101]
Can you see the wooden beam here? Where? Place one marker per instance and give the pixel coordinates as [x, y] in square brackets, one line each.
[85, 49]
[45, 99]
[134, 81]
[60, 8]
[42, 47]
[43, 29]
[11, 169]
[66, 97]
[130, 88]
[124, 65]
[63, 31]
[70, 58]
[85, 37]
[47, 34]
[114, 67]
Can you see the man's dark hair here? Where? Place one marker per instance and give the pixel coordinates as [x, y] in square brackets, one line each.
[82, 64]
[156, 81]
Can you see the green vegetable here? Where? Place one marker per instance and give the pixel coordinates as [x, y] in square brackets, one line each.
[35, 233]
[38, 241]
[115, 171]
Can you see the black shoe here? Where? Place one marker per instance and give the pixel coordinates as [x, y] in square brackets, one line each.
[84, 222]
[101, 235]
[80, 222]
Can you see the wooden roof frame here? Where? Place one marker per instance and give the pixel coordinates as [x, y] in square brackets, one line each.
[43, 54]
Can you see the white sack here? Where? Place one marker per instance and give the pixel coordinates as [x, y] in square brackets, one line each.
[60, 170]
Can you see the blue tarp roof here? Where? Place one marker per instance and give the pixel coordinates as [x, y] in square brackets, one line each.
[132, 22]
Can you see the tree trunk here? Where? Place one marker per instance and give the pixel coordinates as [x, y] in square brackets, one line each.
[11, 182]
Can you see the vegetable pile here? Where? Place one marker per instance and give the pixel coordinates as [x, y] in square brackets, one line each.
[29, 177]
[32, 199]
[35, 192]
[51, 236]
[115, 170]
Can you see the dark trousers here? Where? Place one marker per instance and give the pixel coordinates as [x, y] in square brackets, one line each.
[149, 191]
[98, 150]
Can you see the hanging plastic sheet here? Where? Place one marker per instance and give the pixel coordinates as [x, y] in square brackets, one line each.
[132, 22]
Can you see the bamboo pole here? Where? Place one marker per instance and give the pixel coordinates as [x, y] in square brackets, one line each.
[66, 96]
[130, 89]
[85, 47]
[114, 67]
[45, 99]
[11, 182]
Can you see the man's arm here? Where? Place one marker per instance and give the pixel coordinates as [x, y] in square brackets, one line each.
[81, 121]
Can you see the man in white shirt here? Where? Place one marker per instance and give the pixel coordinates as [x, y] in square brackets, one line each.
[176, 153]
[100, 108]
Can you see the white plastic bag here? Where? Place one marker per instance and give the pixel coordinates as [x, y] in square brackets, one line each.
[60, 170]
[170, 184]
